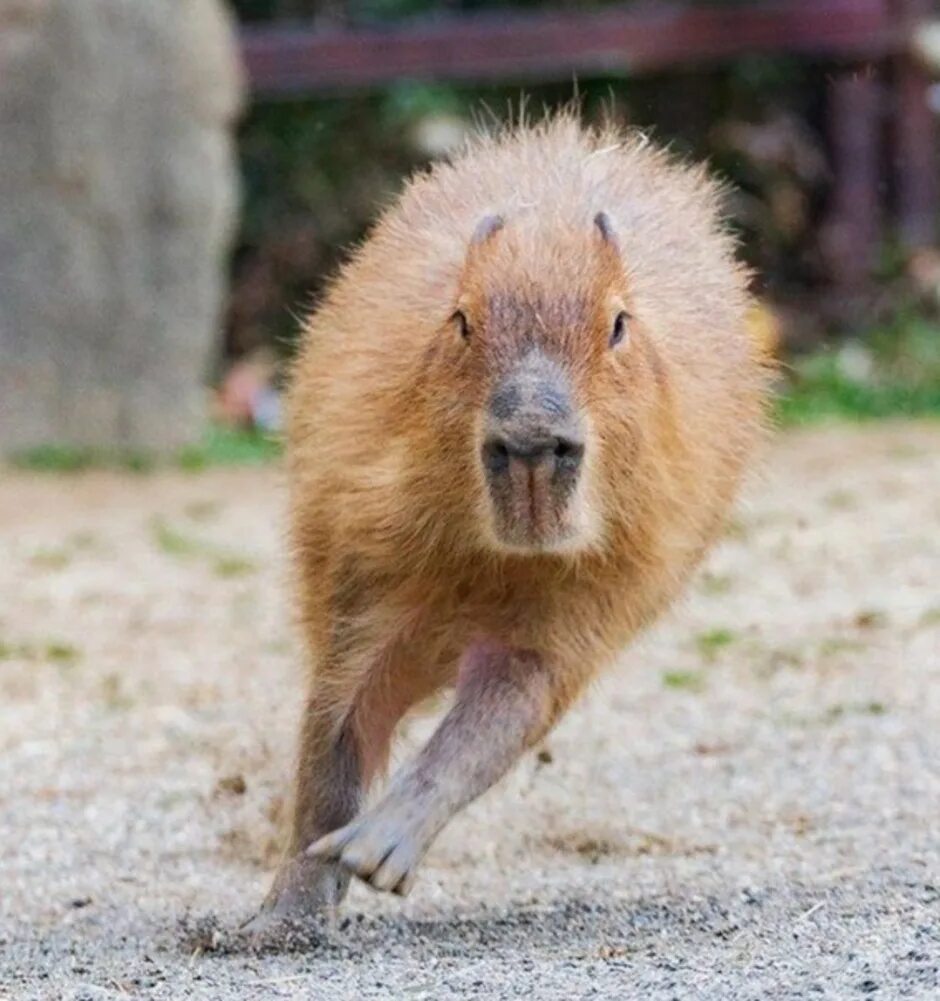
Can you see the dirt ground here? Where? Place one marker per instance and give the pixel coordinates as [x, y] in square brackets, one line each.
[748, 808]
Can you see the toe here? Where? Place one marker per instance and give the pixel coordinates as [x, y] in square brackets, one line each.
[387, 876]
[356, 861]
[364, 855]
[331, 845]
[395, 872]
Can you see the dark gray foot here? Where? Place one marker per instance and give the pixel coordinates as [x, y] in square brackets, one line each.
[303, 888]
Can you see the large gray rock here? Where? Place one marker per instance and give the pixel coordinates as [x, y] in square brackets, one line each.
[117, 197]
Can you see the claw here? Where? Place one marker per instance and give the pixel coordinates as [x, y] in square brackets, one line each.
[386, 878]
[406, 884]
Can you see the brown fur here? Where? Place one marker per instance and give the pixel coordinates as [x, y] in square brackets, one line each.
[398, 573]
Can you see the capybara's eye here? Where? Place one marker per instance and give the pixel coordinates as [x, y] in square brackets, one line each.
[463, 326]
[620, 328]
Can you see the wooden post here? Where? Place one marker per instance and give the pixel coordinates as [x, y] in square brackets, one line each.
[914, 153]
[851, 232]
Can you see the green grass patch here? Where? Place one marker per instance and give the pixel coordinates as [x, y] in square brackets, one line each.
[225, 562]
[930, 618]
[52, 651]
[54, 459]
[226, 447]
[219, 446]
[51, 559]
[113, 693]
[175, 543]
[893, 371]
[74, 459]
[840, 500]
[85, 541]
[687, 681]
[710, 643]
[736, 530]
[835, 645]
[832, 397]
[233, 566]
[61, 653]
[840, 710]
[715, 583]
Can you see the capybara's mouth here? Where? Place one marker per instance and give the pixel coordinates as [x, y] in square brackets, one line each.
[530, 512]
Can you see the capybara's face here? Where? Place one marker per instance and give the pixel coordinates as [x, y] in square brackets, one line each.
[539, 345]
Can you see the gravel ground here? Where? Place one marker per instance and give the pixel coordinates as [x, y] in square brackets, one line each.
[748, 808]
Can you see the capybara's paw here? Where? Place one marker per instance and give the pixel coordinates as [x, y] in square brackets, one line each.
[303, 888]
[381, 847]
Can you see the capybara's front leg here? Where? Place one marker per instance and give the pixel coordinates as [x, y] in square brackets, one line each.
[506, 699]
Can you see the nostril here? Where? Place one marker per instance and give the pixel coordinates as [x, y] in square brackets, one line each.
[496, 455]
[568, 452]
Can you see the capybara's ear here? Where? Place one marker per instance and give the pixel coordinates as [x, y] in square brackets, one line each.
[487, 227]
[606, 229]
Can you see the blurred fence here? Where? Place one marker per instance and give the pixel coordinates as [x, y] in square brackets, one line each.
[877, 103]
[545, 44]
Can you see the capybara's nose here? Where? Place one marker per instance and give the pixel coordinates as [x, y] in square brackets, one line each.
[532, 422]
[562, 451]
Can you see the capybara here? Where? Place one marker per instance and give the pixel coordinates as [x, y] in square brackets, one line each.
[516, 423]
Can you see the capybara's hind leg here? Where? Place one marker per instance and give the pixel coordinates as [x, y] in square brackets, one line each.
[506, 700]
[328, 791]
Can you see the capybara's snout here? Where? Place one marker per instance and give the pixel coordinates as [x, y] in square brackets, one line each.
[532, 452]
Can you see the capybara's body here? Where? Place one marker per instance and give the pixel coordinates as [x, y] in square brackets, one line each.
[516, 423]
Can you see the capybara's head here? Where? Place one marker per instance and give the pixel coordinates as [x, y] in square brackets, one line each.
[544, 349]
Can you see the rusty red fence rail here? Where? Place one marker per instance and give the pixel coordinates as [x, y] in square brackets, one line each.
[547, 45]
